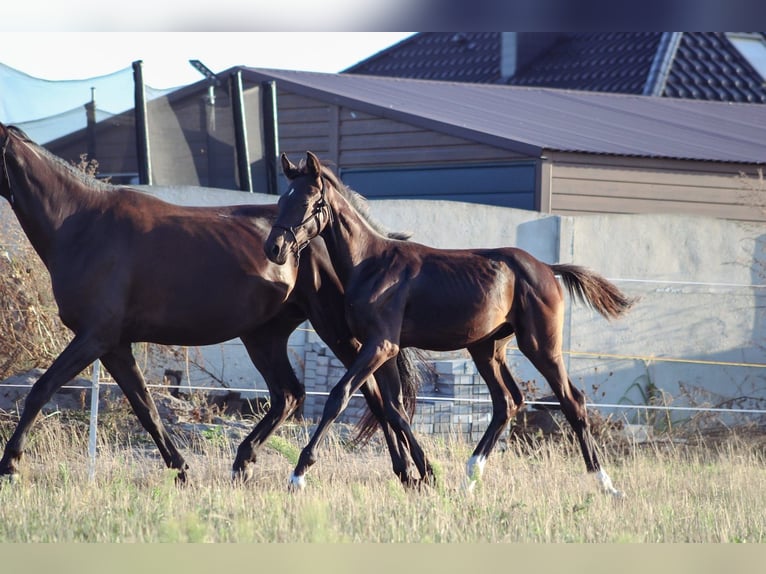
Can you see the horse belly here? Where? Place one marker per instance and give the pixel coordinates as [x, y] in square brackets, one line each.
[449, 327]
[204, 314]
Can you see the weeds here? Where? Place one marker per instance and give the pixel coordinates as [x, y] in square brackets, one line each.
[678, 491]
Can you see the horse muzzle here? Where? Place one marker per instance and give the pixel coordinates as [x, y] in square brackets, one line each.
[277, 246]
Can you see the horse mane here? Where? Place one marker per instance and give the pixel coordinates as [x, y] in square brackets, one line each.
[361, 205]
[73, 170]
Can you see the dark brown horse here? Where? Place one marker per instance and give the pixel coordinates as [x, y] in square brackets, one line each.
[127, 267]
[401, 294]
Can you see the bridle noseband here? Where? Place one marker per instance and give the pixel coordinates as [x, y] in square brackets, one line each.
[319, 208]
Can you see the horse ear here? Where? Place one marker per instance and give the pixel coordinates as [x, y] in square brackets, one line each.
[313, 164]
[288, 168]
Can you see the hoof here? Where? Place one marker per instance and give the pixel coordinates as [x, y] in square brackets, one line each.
[242, 475]
[618, 494]
[10, 478]
[411, 482]
[469, 485]
[296, 483]
[606, 485]
[474, 469]
[182, 479]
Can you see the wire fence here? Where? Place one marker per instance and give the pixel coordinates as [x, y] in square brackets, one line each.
[600, 355]
[99, 381]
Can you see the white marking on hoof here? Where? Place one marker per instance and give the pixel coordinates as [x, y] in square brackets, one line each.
[12, 478]
[296, 482]
[606, 484]
[474, 468]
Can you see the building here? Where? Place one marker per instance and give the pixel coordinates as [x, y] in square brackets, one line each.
[550, 150]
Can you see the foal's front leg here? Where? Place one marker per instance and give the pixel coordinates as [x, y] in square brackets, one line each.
[370, 358]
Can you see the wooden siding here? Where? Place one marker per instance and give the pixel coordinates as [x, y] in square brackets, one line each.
[350, 138]
[369, 140]
[304, 125]
[605, 184]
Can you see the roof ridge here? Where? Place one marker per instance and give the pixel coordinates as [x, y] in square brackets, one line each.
[663, 60]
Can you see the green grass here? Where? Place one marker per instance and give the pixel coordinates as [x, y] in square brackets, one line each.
[537, 493]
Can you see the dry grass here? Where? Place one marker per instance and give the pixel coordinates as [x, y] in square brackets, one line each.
[31, 334]
[534, 491]
[531, 492]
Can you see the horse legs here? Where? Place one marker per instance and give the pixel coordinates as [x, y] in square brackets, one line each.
[489, 357]
[78, 354]
[121, 364]
[545, 355]
[399, 447]
[269, 355]
[334, 330]
[387, 377]
[370, 358]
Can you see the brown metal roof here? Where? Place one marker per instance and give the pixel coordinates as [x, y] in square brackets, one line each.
[532, 120]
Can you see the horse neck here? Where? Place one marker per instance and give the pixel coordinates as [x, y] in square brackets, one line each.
[43, 195]
[349, 237]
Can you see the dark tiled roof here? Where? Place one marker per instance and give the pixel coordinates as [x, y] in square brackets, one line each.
[708, 67]
[606, 62]
[448, 56]
[531, 120]
[704, 65]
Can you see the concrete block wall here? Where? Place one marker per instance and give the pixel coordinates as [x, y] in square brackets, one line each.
[454, 401]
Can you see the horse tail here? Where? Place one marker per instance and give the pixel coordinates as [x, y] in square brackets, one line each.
[594, 290]
[406, 362]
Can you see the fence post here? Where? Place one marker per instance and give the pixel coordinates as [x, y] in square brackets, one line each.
[93, 418]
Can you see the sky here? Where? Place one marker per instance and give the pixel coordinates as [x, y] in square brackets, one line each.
[165, 55]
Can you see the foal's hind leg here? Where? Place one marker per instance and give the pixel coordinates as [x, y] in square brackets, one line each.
[269, 355]
[388, 380]
[545, 354]
[80, 353]
[490, 361]
[121, 364]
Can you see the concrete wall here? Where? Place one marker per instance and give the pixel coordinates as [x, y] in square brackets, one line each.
[700, 282]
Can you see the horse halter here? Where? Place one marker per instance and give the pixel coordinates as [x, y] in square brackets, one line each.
[319, 209]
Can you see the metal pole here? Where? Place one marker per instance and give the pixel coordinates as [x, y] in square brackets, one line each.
[270, 134]
[90, 114]
[94, 390]
[240, 132]
[142, 126]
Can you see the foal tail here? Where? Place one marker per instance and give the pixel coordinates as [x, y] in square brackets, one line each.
[409, 376]
[594, 290]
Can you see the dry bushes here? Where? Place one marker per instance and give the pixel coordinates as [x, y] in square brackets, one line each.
[31, 333]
